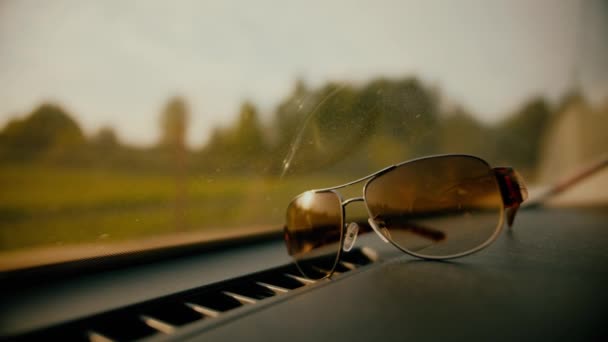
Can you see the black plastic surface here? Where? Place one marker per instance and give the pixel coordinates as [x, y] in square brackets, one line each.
[45, 303]
[545, 280]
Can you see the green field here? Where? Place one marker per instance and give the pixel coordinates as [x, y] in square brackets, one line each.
[46, 206]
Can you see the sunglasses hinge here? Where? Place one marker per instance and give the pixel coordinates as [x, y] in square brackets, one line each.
[510, 187]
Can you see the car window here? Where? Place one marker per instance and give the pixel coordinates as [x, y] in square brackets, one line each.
[127, 125]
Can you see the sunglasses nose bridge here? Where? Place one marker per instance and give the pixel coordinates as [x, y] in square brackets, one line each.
[371, 222]
[351, 200]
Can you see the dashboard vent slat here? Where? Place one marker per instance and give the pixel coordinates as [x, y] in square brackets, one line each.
[240, 298]
[159, 325]
[302, 280]
[348, 265]
[122, 326]
[97, 337]
[203, 310]
[167, 314]
[274, 288]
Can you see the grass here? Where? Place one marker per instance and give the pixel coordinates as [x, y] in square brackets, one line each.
[43, 205]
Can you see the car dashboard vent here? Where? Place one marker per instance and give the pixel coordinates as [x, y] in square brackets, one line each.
[167, 314]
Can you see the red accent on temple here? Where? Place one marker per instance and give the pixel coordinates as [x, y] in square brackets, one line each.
[511, 185]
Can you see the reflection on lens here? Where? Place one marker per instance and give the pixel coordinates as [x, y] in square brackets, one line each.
[313, 232]
[438, 207]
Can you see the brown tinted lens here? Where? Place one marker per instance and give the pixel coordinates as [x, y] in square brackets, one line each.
[438, 207]
[313, 232]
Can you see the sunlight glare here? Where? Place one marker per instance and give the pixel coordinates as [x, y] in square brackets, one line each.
[307, 199]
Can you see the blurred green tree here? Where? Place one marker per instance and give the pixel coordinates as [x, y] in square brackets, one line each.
[47, 134]
[241, 147]
[105, 138]
[518, 137]
[462, 133]
[174, 124]
[409, 113]
[318, 128]
[289, 115]
[248, 135]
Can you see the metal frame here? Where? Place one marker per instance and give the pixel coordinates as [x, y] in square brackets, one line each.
[369, 178]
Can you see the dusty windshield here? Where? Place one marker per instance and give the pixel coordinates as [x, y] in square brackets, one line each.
[127, 125]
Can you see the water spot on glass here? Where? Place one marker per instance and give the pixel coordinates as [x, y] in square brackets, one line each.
[417, 116]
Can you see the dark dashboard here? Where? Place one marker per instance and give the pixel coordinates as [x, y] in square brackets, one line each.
[544, 279]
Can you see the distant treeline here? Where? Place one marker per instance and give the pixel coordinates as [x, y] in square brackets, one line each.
[335, 125]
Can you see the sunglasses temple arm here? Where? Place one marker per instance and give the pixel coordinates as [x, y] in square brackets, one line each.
[513, 190]
[410, 227]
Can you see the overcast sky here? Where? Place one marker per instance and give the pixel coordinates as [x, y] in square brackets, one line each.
[117, 62]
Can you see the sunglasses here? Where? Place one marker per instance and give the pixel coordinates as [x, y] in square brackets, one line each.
[438, 207]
